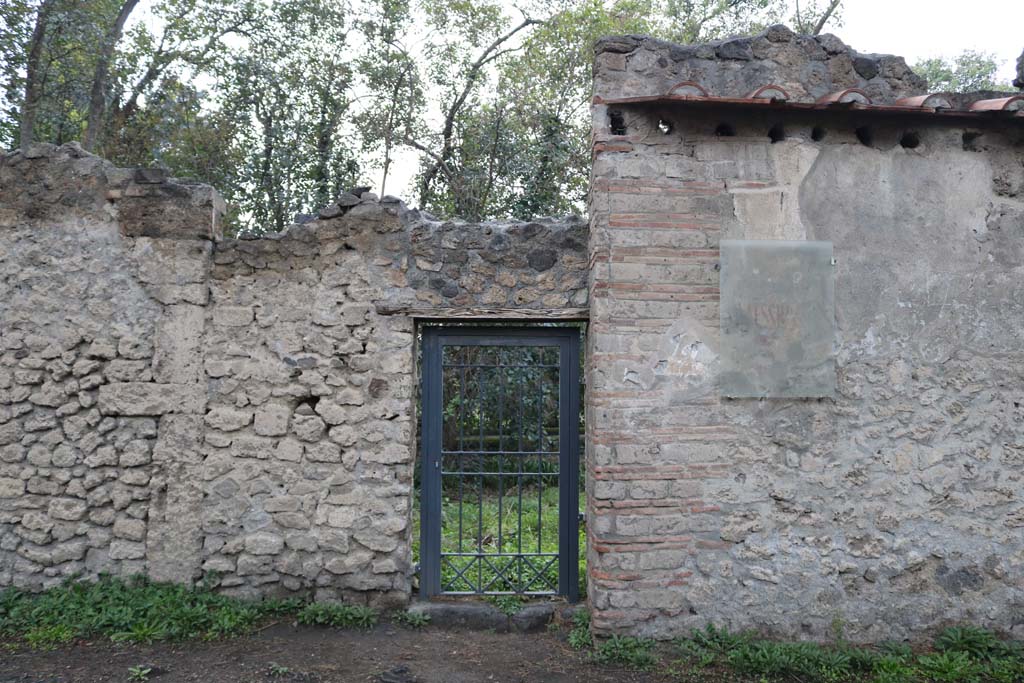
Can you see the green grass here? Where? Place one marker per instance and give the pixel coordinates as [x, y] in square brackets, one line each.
[963, 654]
[529, 537]
[635, 653]
[412, 619]
[960, 655]
[579, 636]
[338, 616]
[140, 611]
[507, 604]
[139, 673]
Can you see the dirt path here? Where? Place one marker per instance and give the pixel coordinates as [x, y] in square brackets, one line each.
[386, 654]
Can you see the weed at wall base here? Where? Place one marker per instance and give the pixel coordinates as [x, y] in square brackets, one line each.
[139, 611]
[964, 654]
[579, 636]
[336, 615]
[636, 653]
[412, 619]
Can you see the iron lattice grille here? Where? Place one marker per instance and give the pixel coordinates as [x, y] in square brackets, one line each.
[500, 472]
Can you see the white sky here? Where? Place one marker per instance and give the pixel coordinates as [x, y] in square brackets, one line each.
[914, 29]
[917, 29]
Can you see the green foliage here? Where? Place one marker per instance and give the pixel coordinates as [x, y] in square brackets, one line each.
[139, 672]
[394, 85]
[717, 640]
[890, 669]
[337, 615]
[636, 653]
[896, 650]
[520, 146]
[48, 637]
[579, 636]
[1008, 670]
[130, 611]
[971, 640]
[949, 667]
[291, 87]
[969, 71]
[507, 604]
[16, 21]
[963, 655]
[281, 606]
[275, 670]
[412, 619]
[138, 611]
[699, 20]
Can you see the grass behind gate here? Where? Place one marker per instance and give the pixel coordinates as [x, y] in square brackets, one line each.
[487, 515]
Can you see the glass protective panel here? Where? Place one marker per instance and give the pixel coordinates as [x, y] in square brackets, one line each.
[778, 319]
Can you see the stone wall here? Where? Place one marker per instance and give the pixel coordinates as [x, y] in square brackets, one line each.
[894, 508]
[310, 435]
[808, 67]
[179, 405]
[91, 395]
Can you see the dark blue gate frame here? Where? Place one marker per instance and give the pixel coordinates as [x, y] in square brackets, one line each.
[567, 339]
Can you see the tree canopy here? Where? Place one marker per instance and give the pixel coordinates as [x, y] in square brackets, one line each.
[969, 71]
[284, 104]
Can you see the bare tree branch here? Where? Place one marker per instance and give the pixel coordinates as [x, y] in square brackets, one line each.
[492, 52]
[441, 164]
[163, 59]
[826, 16]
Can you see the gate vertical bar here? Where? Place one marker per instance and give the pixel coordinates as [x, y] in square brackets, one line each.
[568, 466]
[430, 466]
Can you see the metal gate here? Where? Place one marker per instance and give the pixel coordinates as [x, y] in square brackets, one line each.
[500, 463]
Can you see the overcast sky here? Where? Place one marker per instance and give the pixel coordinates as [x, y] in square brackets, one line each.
[917, 29]
[914, 29]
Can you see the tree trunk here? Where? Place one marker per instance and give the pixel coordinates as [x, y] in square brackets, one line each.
[97, 98]
[330, 113]
[389, 133]
[267, 180]
[30, 106]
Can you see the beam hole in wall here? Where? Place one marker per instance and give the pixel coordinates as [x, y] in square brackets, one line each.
[970, 140]
[910, 140]
[310, 401]
[664, 126]
[777, 133]
[865, 135]
[725, 130]
[616, 122]
[818, 133]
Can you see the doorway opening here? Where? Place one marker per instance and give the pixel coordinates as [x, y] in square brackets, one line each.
[499, 486]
